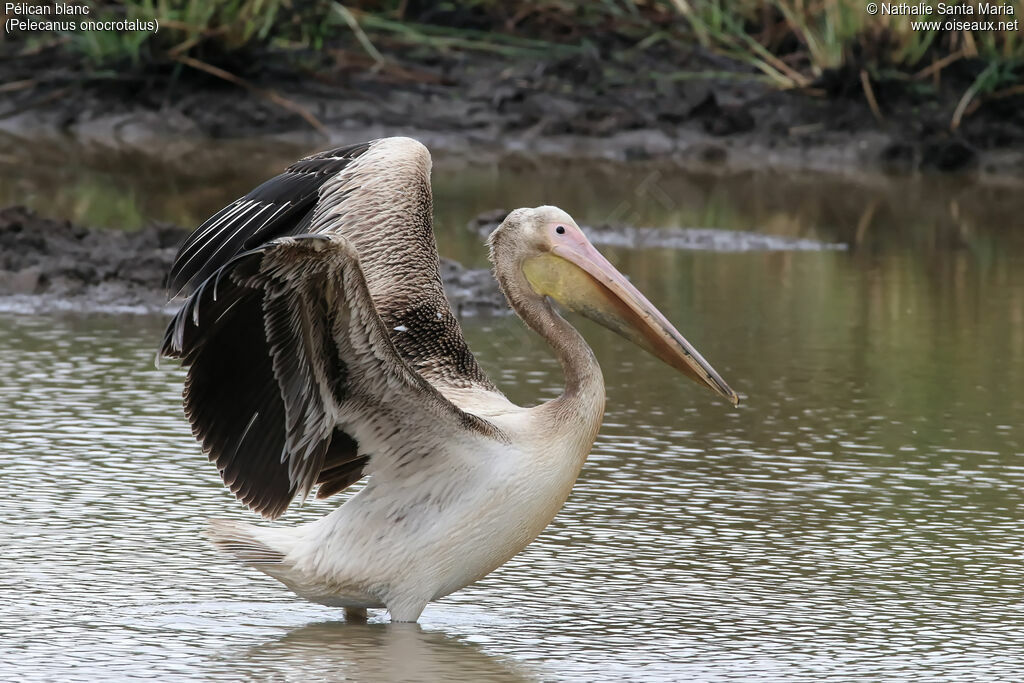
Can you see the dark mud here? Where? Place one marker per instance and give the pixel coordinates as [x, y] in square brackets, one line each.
[660, 106]
[55, 265]
[50, 264]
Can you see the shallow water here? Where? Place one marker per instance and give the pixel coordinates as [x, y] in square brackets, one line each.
[859, 516]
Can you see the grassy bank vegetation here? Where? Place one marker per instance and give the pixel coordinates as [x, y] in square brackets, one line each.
[824, 46]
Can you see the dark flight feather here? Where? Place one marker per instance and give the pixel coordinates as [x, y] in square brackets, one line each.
[280, 206]
[261, 337]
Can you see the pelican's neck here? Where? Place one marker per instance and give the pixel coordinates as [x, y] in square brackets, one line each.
[584, 385]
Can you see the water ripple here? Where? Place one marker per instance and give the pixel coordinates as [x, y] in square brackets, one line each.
[785, 540]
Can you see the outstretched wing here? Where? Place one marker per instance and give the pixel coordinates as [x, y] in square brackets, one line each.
[294, 381]
[281, 206]
[377, 195]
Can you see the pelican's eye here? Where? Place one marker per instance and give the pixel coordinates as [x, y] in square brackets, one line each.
[560, 229]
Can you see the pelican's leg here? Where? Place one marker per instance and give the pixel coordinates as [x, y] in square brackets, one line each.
[406, 609]
[355, 615]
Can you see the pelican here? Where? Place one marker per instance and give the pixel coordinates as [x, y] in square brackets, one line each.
[321, 349]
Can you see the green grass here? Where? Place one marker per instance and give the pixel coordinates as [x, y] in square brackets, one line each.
[796, 41]
[791, 42]
[187, 27]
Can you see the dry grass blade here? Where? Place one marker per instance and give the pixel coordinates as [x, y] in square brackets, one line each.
[18, 85]
[270, 95]
[1007, 92]
[938, 65]
[797, 79]
[683, 7]
[869, 93]
[970, 94]
[443, 38]
[361, 36]
[190, 43]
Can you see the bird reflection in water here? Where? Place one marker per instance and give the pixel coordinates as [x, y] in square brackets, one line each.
[378, 652]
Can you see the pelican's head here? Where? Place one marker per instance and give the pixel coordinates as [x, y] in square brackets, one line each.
[557, 261]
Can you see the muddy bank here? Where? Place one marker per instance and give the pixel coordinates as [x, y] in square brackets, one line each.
[55, 265]
[50, 264]
[582, 106]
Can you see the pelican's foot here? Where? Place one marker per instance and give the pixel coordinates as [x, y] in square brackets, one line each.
[355, 615]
